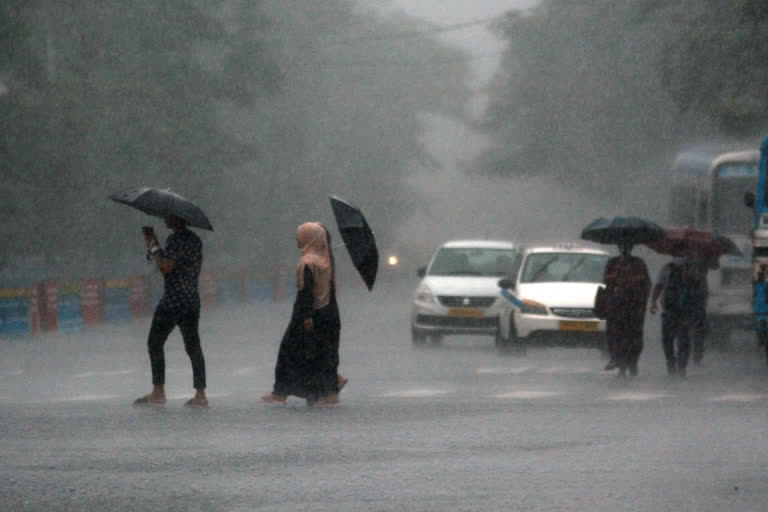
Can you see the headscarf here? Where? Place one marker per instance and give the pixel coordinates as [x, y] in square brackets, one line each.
[312, 239]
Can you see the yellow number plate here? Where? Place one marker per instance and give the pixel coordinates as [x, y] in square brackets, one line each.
[577, 325]
[465, 312]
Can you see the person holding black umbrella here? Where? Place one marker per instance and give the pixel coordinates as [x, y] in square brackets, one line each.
[180, 263]
[628, 286]
[308, 357]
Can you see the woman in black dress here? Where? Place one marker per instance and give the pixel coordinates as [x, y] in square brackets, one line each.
[308, 358]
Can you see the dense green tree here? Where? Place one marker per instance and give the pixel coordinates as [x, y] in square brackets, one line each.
[257, 111]
[600, 95]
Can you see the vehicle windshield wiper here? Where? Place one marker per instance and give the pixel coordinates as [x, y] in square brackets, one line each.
[576, 265]
[542, 269]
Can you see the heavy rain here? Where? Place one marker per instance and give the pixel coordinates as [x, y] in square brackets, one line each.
[472, 143]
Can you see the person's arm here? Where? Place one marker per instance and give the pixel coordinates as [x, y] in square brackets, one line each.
[305, 300]
[658, 289]
[164, 264]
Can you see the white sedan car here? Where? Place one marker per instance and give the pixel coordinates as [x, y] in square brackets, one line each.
[550, 297]
[459, 293]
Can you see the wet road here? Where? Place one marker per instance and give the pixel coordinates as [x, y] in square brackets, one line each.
[456, 427]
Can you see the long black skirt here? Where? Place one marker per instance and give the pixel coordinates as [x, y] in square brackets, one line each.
[307, 363]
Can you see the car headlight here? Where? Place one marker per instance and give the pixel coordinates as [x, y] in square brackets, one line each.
[423, 294]
[531, 307]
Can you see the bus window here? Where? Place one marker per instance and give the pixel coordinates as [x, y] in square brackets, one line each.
[732, 180]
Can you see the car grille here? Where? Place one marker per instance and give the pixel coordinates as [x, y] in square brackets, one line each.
[461, 301]
[447, 321]
[573, 312]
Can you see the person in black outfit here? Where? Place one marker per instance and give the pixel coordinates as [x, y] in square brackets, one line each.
[677, 317]
[308, 358]
[180, 263]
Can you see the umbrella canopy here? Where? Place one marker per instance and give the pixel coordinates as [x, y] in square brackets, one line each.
[163, 202]
[358, 239]
[622, 230]
[693, 242]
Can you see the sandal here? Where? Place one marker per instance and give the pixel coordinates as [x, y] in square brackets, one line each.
[341, 381]
[194, 402]
[328, 401]
[145, 400]
[274, 399]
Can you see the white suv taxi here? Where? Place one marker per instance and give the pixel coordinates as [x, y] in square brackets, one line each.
[459, 293]
[550, 297]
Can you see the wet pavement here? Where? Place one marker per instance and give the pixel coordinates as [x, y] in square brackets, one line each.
[454, 427]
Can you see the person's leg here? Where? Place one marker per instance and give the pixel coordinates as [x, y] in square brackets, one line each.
[668, 323]
[684, 347]
[610, 344]
[699, 334]
[162, 325]
[635, 349]
[188, 325]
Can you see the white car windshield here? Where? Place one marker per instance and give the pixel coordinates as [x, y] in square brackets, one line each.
[460, 261]
[550, 267]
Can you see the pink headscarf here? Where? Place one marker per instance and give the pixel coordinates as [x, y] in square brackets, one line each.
[315, 253]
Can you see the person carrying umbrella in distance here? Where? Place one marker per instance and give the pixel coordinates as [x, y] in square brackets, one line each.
[683, 285]
[308, 359]
[180, 263]
[628, 286]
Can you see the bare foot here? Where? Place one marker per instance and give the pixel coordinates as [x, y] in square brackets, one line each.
[274, 399]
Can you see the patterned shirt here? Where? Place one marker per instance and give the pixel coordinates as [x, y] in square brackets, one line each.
[181, 291]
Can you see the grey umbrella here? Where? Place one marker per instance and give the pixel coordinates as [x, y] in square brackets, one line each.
[163, 202]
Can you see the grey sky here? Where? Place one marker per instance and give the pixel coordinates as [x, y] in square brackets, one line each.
[477, 40]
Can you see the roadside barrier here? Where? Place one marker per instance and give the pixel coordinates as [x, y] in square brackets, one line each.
[63, 306]
[141, 296]
[69, 309]
[14, 319]
[118, 300]
[92, 301]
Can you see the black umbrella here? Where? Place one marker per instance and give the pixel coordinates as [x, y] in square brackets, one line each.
[162, 202]
[622, 230]
[358, 239]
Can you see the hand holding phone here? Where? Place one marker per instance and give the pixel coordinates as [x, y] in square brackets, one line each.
[149, 235]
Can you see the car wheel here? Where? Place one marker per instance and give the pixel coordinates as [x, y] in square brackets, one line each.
[512, 344]
[418, 337]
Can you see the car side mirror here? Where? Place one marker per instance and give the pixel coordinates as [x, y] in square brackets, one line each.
[749, 199]
[506, 283]
[421, 271]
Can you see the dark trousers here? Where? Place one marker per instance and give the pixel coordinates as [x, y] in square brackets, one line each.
[675, 326]
[163, 323]
[699, 326]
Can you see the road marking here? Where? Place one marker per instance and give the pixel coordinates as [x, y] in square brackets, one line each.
[560, 370]
[181, 396]
[11, 373]
[525, 394]
[636, 396]
[106, 373]
[416, 393]
[247, 371]
[503, 371]
[88, 398]
[739, 397]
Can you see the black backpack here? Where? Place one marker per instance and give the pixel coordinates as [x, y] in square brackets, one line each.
[676, 293]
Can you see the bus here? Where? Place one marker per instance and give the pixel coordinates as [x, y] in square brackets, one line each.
[708, 184]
